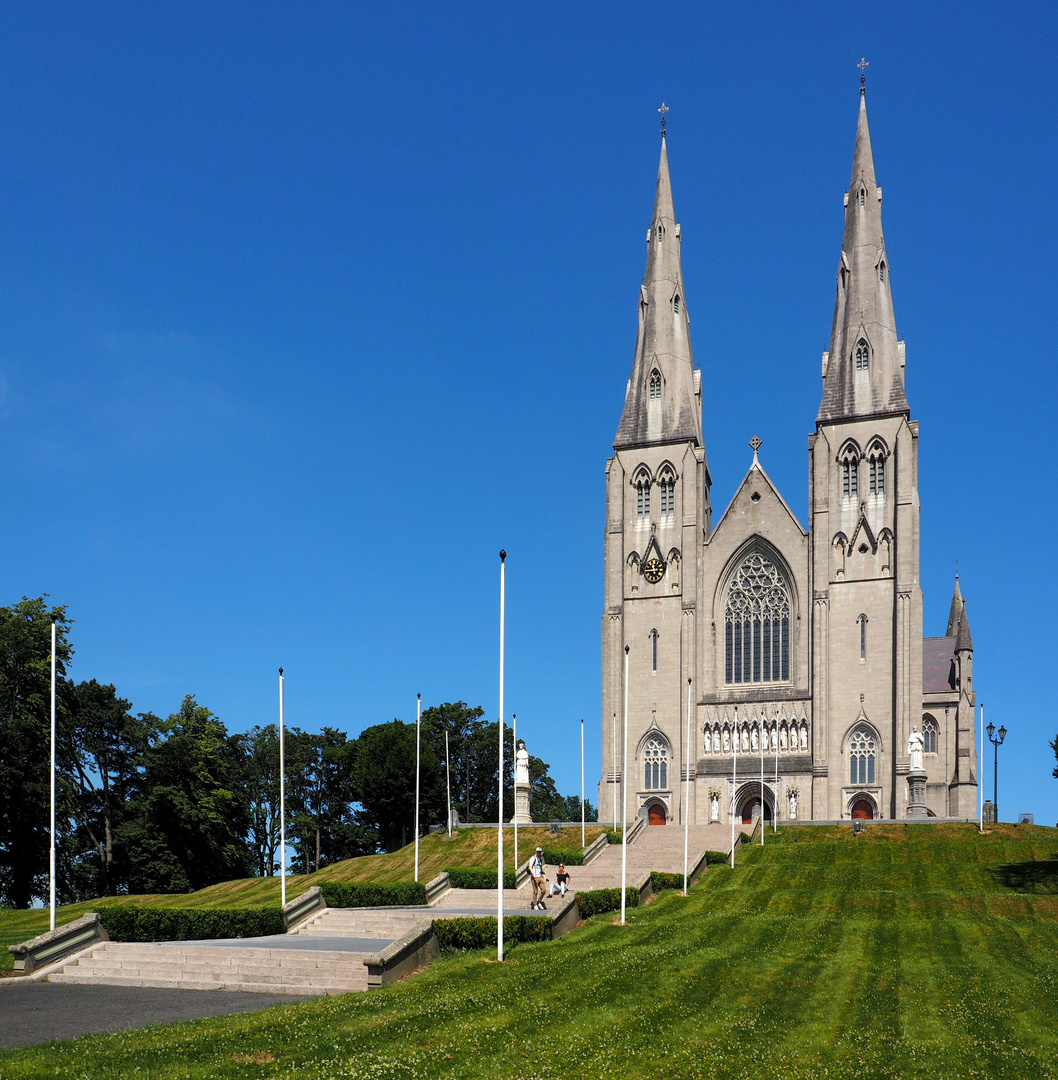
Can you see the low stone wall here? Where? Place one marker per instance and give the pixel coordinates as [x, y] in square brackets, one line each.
[409, 953]
[437, 887]
[55, 944]
[296, 911]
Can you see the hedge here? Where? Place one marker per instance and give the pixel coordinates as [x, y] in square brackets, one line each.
[717, 858]
[476, 877]
[567, 856]
[480, 933]
[597, 901]
[660, 880]
[373, 894]
[613, 837]
[126, 922]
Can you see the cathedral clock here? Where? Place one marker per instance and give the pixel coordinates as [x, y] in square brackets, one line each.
[653, 570]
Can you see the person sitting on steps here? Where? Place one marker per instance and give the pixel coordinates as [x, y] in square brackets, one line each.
[561, 883]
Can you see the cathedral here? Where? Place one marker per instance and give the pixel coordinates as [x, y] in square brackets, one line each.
[759, 643]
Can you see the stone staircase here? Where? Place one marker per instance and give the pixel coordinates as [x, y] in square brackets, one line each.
[188, 966]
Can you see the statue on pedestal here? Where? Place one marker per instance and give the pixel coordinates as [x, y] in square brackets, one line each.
[521, 786]
[915, 746]
[521, 764]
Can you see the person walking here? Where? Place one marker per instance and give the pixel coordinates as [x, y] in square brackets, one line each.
[536, 875]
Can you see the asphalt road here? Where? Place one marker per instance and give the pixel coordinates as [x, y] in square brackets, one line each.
[33, 1013]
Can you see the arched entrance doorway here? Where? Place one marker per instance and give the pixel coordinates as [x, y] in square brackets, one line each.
[656, 814]
[751, 809]
[862, 810]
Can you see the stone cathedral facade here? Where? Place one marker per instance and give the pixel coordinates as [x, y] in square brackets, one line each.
[803, 642]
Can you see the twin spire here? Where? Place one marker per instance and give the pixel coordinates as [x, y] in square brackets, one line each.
[864, 370]
[662, 404]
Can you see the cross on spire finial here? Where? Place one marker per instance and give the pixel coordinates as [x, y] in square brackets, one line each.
[756, 443]
[863, 65]
[664, 109]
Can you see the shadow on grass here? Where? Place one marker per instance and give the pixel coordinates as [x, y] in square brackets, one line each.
[1033, 877]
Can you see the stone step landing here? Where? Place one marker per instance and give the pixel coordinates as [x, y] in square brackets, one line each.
[186, 966]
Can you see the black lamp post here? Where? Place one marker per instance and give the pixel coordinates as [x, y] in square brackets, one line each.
[997, 743]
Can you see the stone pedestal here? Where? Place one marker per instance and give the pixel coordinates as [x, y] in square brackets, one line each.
[521, 805]
[916, 781]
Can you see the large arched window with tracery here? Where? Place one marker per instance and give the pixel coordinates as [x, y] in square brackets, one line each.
[656, 764]
[929, 734]
[862, 753]
[757, 624]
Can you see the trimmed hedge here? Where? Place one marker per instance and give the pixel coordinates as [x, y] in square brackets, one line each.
[373, 894]
[717, 858]
[568, 856]
[597, 901]
[127, 922]
[660, 880]
[480, 933]
[476, 877]
[613, 837]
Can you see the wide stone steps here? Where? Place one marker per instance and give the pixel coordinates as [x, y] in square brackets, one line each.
[483, 899]
[211, 967]
[362, 922]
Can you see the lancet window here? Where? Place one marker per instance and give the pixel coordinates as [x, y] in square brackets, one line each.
[667, 488]
[655, 764]
[876, 458]
[653, 650]
[862, 620]
[929, 735]
[862, 753]
[850, 474]
[757, 624]
[643, 498]
[863, 355]
[655, 384]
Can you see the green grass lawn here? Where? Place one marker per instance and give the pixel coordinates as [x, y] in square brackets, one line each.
[921, 951]
[466, 847]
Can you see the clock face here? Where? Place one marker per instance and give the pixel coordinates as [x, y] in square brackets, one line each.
[653, 570]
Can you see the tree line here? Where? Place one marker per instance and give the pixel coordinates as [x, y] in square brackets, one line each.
[152, 805]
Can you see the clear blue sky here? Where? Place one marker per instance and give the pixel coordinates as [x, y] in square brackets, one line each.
[307, 310]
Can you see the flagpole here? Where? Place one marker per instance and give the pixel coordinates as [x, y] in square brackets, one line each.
[624, 800]
[613, 741]
[582, 819]
[418, 723]
[448, 782]
[762, 778]
[687, 787]
[51, 857]
[980, 786]
[775, 811]
[514, 740]
[734, 786]
[499, 822]
[282, 804]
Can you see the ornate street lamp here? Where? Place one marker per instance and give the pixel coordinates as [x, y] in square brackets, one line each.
[996, 742]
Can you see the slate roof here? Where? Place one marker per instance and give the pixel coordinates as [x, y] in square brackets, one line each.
[938, 665]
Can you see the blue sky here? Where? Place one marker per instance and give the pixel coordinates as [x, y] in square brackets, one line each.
[307, 310]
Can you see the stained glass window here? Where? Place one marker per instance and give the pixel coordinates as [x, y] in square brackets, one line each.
[757, 624]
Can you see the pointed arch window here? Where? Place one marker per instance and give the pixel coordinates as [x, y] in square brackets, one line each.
[929, 734]
[643, 499]
[653, 650]
[863, 751]
[656, 764]
[850, 474]
[863, 196]
[876, 459]
[676, 304]
[863, 355]
[881, 271]
[655, 384]
[667, 488]
[862, 620]
[757, 624]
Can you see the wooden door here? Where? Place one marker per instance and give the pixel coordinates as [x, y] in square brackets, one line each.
[862, 811]
[656, 814]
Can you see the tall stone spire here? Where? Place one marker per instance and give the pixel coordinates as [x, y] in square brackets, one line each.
[864, 369]
[959, 621]
[662, 401]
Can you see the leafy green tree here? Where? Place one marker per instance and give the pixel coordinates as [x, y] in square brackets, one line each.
[108, 746]
[188, 824]
[384, 784]
[262, 790]
[25, 725]
[460, 722]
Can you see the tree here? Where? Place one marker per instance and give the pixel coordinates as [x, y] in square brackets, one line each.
[108, 746]
[25, 724]
[262, 790]
[188, 824]
[384, 784]
[460, 722]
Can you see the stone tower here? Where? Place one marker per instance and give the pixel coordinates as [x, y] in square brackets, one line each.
[864, 526]
[657, 509]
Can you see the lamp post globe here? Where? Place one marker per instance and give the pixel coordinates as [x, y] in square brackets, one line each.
[996, 739]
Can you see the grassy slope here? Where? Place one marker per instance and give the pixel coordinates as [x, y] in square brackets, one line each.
[908, 952]
[467, 847]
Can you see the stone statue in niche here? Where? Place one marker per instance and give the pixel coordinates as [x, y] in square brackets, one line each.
[793, 805]
[708, 741]
[714, 808]
[753, 738]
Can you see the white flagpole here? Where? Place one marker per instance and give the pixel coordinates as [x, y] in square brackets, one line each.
[980, 786]
[582, 818]
[282, 804]
[624, 800]
[448, 782]
[687, 787]
[514, 739]
[499, 821]
[418, 722]
[51, 857]
[762, 778]
[734, 786]
[614, 741]
[775, 810]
